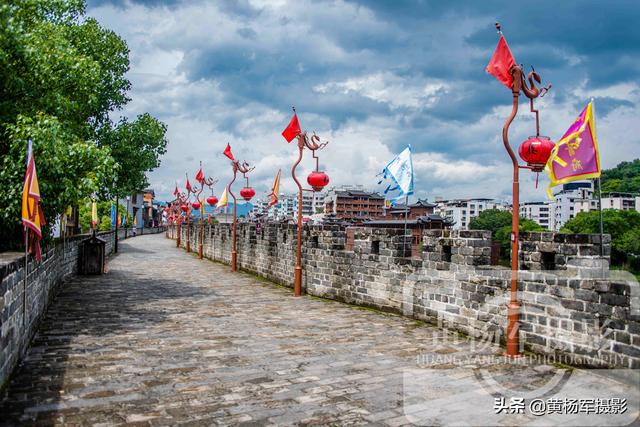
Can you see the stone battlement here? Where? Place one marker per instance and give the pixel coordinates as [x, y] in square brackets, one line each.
[572, 304]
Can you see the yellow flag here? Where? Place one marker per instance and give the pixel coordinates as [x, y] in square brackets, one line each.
[275, 190]
[576, 155]
[32, 217]
[94, 214]
[224, 199]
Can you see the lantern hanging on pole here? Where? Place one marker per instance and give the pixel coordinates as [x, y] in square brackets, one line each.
[247, 193]
[318, 180]
[536, 150]
[212, 200]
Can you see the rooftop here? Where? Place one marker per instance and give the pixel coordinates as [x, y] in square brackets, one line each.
[425, 219]
[358, 193]
[419, 204]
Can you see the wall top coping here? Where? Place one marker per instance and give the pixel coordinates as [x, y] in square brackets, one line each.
[547, 236]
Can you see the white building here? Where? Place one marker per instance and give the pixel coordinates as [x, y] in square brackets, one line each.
[580, 196]
[574, 197]
[285, 207]
[260, 208]
[621, 201]
[461, 211]
[539, 212]
[311, 202]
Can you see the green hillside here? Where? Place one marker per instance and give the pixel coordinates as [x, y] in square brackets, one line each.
[623, 178]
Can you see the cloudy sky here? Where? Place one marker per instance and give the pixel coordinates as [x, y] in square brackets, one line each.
[371, 77]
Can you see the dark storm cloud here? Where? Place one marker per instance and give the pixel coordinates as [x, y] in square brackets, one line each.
[606, 104]
[415, 68]
[422, 39]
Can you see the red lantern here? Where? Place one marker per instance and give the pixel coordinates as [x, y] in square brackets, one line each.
[318, 180]
[212, 200]
[536, 151]
[247, 193]
[196, 205]
[184, 208]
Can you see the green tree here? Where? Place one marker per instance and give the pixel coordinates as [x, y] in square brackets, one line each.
[104, 214]
[136, 146]
[630, 242]
[625, 177]
[61, 76]
[68, 167]
[622, 225]
[499, 223]
[490, 219]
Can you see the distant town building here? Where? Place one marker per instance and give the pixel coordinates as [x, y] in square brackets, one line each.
[134, 206]
[461, 211]
[354, 204]
[311, 203]
[540, 212]
[574, 194]
[418, 209]
[285, 208]
[151, 214]
[260, 208]
[622, 201]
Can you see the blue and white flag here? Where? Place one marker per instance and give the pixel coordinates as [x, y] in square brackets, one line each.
[113, 216]
[400, 171]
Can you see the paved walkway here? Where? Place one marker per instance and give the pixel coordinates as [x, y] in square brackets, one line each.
[166, 339]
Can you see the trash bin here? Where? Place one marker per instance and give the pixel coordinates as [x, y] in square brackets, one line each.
[92, 255]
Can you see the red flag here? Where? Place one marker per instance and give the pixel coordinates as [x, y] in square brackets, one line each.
[176, 191]
[188, 186]
[501, 63]
[200, 176]
[293, 129]
[227, 152]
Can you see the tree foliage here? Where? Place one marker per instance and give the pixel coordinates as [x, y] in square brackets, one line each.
[104, 214]
[499, 223]
[61, 77]
[622, 225]
[136, 147]
[624, 178]
[490, 219]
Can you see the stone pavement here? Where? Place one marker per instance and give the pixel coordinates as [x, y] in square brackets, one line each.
[166, 339]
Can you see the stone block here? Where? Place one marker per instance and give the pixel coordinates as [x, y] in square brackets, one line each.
[626, 349]
[614, 299]
[622, 337]
[586, 295]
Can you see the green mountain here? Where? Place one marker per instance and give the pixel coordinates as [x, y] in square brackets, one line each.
[623, 178]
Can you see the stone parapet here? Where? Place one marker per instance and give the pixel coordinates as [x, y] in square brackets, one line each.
[577, 309]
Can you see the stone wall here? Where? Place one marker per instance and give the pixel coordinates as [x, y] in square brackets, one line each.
[19, 322]
[579, 311]
[555, 251]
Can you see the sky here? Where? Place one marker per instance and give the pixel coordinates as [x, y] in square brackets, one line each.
[371, 77]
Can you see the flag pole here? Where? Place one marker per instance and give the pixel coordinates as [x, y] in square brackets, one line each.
[599, 191]
[26, 271]
[600, 209]
[115, 246]
[406, 213]
[63, 233]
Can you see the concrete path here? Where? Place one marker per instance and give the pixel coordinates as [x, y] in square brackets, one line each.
[166, 339]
